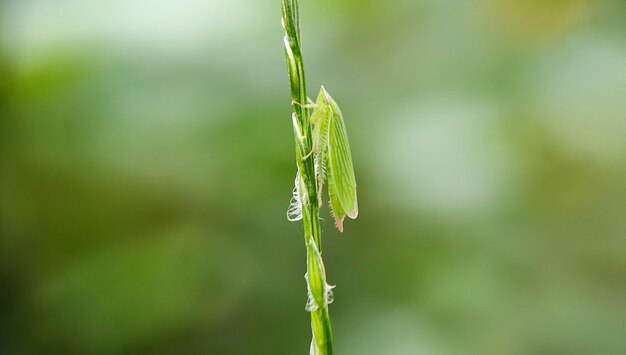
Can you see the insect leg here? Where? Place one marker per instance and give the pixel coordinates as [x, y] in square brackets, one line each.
[311, 104]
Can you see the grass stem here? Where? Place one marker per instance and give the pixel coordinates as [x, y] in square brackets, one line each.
[322, 343]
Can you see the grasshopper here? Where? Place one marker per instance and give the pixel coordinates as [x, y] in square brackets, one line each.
[333, 162]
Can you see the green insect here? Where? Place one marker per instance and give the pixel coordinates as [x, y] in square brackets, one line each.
[333, 162]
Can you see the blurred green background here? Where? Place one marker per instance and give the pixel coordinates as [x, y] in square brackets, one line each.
[147, 161]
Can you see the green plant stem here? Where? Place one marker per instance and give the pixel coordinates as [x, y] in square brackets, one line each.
[320, 318]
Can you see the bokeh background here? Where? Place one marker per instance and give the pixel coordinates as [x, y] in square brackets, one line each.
[147, 161]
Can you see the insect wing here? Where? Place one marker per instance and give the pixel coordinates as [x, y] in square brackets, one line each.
[341, 181]
[321, 120]
[321, 111]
